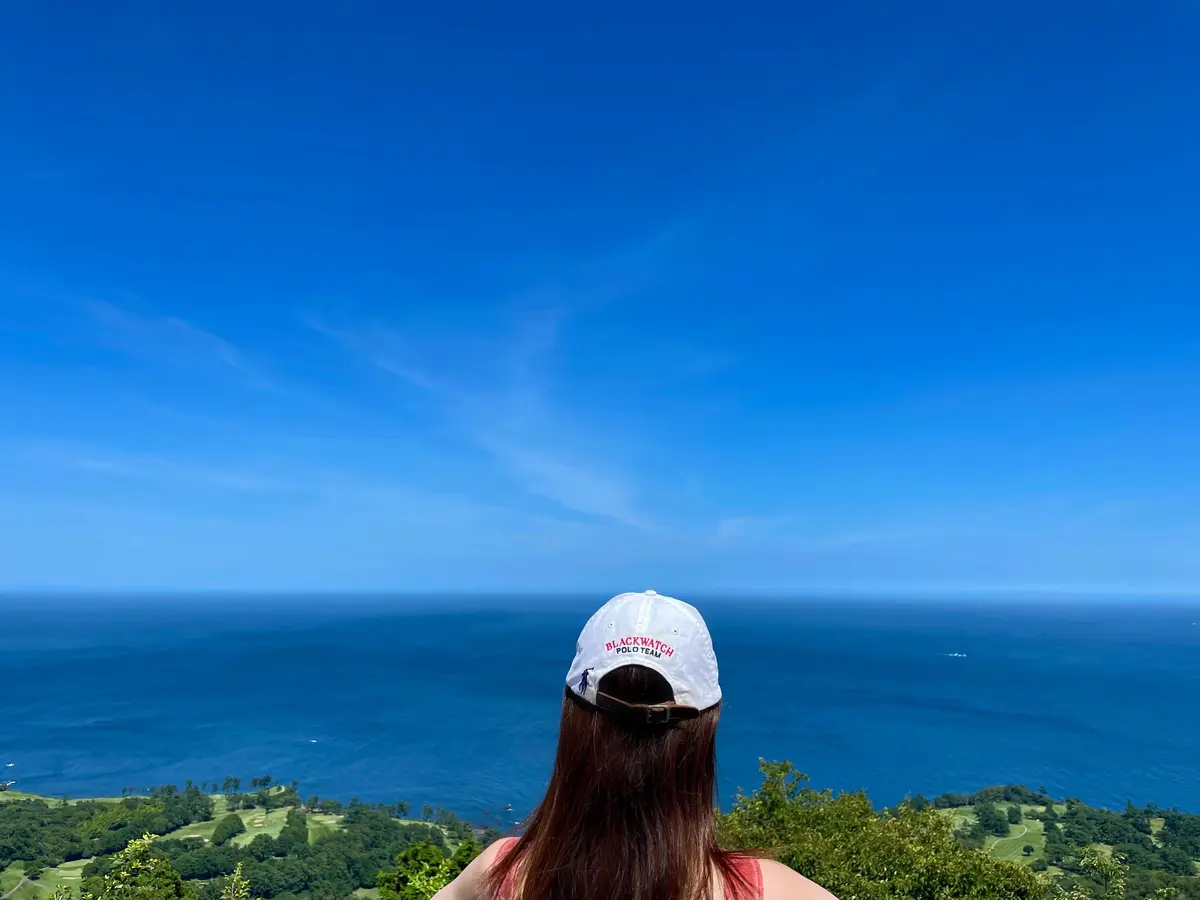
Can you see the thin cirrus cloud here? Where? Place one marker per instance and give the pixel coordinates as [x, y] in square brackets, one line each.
[492, 393]
[496, 395]
[161, 339]
[150, 468]
[384, 499]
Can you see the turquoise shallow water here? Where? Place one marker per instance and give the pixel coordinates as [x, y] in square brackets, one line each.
[454, 700]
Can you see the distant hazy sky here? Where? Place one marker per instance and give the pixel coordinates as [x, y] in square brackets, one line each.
[613, 296]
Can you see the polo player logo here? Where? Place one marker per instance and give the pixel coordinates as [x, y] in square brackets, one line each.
[583, 681]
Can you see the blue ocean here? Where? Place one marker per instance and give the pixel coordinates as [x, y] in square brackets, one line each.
[454, 700]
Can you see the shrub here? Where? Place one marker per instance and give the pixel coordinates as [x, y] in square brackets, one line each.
[844, 845]
[229, 827]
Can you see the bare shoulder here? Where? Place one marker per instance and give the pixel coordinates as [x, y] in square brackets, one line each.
[781, 883]
[471, 884]
[488, 856]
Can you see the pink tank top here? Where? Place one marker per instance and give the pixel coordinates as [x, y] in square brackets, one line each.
[747, 867]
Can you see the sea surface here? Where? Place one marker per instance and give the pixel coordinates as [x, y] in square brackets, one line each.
[454, 700]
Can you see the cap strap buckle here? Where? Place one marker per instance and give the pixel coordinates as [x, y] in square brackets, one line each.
[653, 713]
[658, 715]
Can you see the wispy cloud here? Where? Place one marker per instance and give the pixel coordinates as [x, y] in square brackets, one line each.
[383, 348]
[275, 480]
[151, 468]
[498, 394]
[748, 526]
[807, 534]
[161, 338]
[574, 485]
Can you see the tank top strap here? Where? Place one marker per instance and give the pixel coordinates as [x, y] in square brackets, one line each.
[750, 885]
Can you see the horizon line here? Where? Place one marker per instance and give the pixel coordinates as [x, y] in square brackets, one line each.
[950, 592]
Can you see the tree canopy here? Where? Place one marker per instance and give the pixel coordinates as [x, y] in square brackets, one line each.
[139, 872]
[840, 841]
[845, 845]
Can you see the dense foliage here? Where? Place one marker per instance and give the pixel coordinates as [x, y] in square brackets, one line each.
[46, 834]
[289, 866]
[841, 842]
[844, 844]
[264, 793]
[1157, 847]
[424, 869]
[227, 829]
[139, 873]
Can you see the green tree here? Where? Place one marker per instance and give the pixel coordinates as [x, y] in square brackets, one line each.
[237, 887]
[467, 850]
[139, 873]
[1028, 850]
[229, 827]
[992, 820]
[1108, 869]
[295, 832]
[421, 871]
[844, 844]
[919, 802]
[1014, 815]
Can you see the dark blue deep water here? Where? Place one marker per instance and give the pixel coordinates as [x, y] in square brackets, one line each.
[455, 701]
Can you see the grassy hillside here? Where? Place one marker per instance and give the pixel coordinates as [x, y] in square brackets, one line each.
[1159, 847]
[1030, 832]
[11, 877]
[69, 874]
[11, 796]
[257, 821]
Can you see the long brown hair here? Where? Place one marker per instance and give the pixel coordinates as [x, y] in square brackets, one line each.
[628, 814]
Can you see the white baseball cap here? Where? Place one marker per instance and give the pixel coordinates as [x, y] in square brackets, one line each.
[660, 633]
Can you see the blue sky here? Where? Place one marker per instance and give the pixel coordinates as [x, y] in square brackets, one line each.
[527, 296]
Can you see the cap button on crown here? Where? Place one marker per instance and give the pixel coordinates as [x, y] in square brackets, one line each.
[651, 593]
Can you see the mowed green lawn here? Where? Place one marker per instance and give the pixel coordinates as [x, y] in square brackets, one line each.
[1156, 825]
[257, 821]
[321, 824]
[1030, 831]
[961, 816]
[69, 874]
[11, 877]
[28, 891]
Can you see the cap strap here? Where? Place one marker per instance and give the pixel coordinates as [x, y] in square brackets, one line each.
[651, 713]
